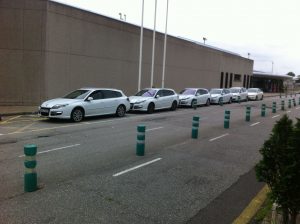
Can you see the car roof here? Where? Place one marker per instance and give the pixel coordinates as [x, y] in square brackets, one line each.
[160, 89]
[93, 89]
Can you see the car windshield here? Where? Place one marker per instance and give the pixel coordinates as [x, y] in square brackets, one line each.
[146, 93]
[188, 92]
[215, 91]
[252, 90]
[234, 90]
[77, 94]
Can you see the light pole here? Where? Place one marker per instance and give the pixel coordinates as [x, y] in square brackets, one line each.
[141, 48]
[165, 48]
[248, 55]
[204, 39]
[153, 46]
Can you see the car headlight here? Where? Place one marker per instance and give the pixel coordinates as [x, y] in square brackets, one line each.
[141, 101]
[57, 106]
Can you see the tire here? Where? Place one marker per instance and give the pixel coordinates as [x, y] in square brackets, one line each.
[151, 108]
[174, 106]
[256, 98]
[262, 97]
[77, 114]
[121, 111]
[230, 101]
[207, 102]
[192, 103]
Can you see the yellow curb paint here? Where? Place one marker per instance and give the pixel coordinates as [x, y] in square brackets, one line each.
[253, 207]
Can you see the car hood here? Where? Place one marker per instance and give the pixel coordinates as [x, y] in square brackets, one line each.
[215, 95]
[51, 103]
[136, 99]
[185, 96]
[235, 94]
[252, 94]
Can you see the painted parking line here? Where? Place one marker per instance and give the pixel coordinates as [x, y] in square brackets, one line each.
[10, 119]
[251, 125]
[152, 129]
[24, 128]
[51, 150]
[276, 116]
[136, 167]
[1, 134]
[297, 108]
[213, 139]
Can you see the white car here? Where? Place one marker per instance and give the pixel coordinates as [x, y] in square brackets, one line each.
[220, 94]
[239, 92]
[86, 102]
[191, 96]
[255, 94]
[154, 99]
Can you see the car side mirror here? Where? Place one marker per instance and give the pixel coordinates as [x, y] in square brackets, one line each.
[90, 98]
[157, 96]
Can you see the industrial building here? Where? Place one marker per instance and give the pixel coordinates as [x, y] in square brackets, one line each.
[48, 49]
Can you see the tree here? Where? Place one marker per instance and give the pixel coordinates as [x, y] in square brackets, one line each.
[291, 74]
[280, 167]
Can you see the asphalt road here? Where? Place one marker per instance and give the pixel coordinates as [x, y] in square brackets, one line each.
[89, 173]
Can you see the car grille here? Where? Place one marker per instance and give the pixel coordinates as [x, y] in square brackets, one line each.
[131, 105]
[44, 111]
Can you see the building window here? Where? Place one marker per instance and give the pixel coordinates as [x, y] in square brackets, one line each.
[237, 77]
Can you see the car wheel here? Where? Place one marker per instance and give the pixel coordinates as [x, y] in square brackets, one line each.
[262, 97]
[150, 108]
[256, 98]
[207, 102]
[174, 106]
[121, 111]
[193, 102]
[77, 115]
[230, 101]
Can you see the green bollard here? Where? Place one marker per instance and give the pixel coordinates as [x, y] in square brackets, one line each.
[248, 112]
[221, 101]
[30, 175]
[294, 102]
[274, 108]
[140, 142]
[226, 119]
[195, 127]
[290, 103]
[239, 99]
[194, 105]
[263, 110]
[282, 104]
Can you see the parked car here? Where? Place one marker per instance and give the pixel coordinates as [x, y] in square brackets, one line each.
[239, 92]
[217, 94]
[86, 102]
[152, 99]
[191, 96]
[255, 94]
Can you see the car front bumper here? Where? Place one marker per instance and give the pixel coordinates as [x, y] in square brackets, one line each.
[54, 113]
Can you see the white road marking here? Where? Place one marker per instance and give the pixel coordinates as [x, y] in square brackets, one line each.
[297, 108]
[276, 116]
[255, 124]
[152, 129]
[1, 134]
[136, 167]
[288, 111]
[213, 139]
[50, 150]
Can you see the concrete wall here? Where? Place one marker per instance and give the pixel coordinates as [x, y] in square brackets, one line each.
[22, 36]
[50, 49]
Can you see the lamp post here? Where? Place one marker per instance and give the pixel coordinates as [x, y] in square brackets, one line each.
[153, 46]
[165, 48]
[248, 55]
[141, 48]
[204, 39]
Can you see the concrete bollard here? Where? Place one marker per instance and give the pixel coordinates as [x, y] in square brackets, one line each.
[195, 127]
[30, 175]
[263, 110]
[274, 108]
[290, 103]
[226, 119]
[221, 101]
[282, 104]
[248, 112]
[140, 142]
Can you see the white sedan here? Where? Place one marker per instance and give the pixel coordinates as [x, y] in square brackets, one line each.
[220, 95]
[239, 92]
[154, 99]
[191, 96]
[86, 102]
[255, 94]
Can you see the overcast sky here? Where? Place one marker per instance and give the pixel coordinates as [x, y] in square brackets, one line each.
[267, 29]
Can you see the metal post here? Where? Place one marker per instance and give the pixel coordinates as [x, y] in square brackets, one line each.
[263, 110]
[294, 102]
[30, 175]
[226, 119]
[140, 142]
[221, 101]
[299, 101]
[274, 108]
[290, 103]
[141, 49]
[248, 112]
[239, 99]
[153, 46]
[195, 127]
[165, 49]
[282, 104]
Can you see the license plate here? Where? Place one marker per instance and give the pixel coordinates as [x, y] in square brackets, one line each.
[43, 110]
